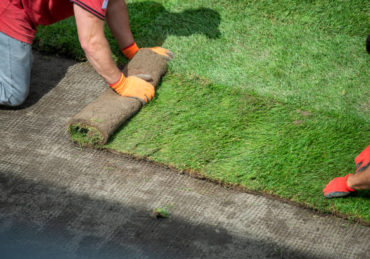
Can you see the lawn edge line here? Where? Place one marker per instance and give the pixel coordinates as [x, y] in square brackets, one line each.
[236, 187]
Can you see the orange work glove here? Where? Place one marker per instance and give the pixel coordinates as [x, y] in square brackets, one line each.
[131, 50]
[163, 52]
[337, 188]
[363, 160]
[134, 87]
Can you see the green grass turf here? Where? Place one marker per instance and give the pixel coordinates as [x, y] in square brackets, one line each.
[238, 137]
[263, 64]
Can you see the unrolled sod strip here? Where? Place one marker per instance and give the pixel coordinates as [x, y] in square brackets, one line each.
[95, 123]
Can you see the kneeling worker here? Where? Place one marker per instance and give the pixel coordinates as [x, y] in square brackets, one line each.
[19, 20]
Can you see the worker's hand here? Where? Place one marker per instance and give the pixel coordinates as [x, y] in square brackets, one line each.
[163, 52]
[337, 188]
[135, 87]
[131, 50]
[363, 160]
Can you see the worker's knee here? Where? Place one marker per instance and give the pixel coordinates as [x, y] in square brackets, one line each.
[15, 70]
[13, 95]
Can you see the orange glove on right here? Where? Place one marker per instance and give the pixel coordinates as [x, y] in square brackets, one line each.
[363, 160]
[134, 87]
[337, 188]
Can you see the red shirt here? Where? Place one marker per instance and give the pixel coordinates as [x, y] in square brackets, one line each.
[20, 18]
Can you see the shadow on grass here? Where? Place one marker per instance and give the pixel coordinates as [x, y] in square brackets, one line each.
[42, 220]
[151, 23]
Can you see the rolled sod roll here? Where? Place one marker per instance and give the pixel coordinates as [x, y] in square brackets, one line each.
[95, 123]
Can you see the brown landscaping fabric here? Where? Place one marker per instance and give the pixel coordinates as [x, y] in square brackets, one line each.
[101, 118]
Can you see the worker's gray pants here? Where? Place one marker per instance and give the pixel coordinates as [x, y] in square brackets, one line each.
[15, 70]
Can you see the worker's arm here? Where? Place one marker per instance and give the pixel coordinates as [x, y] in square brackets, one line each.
[118, 23]
[92, 39]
